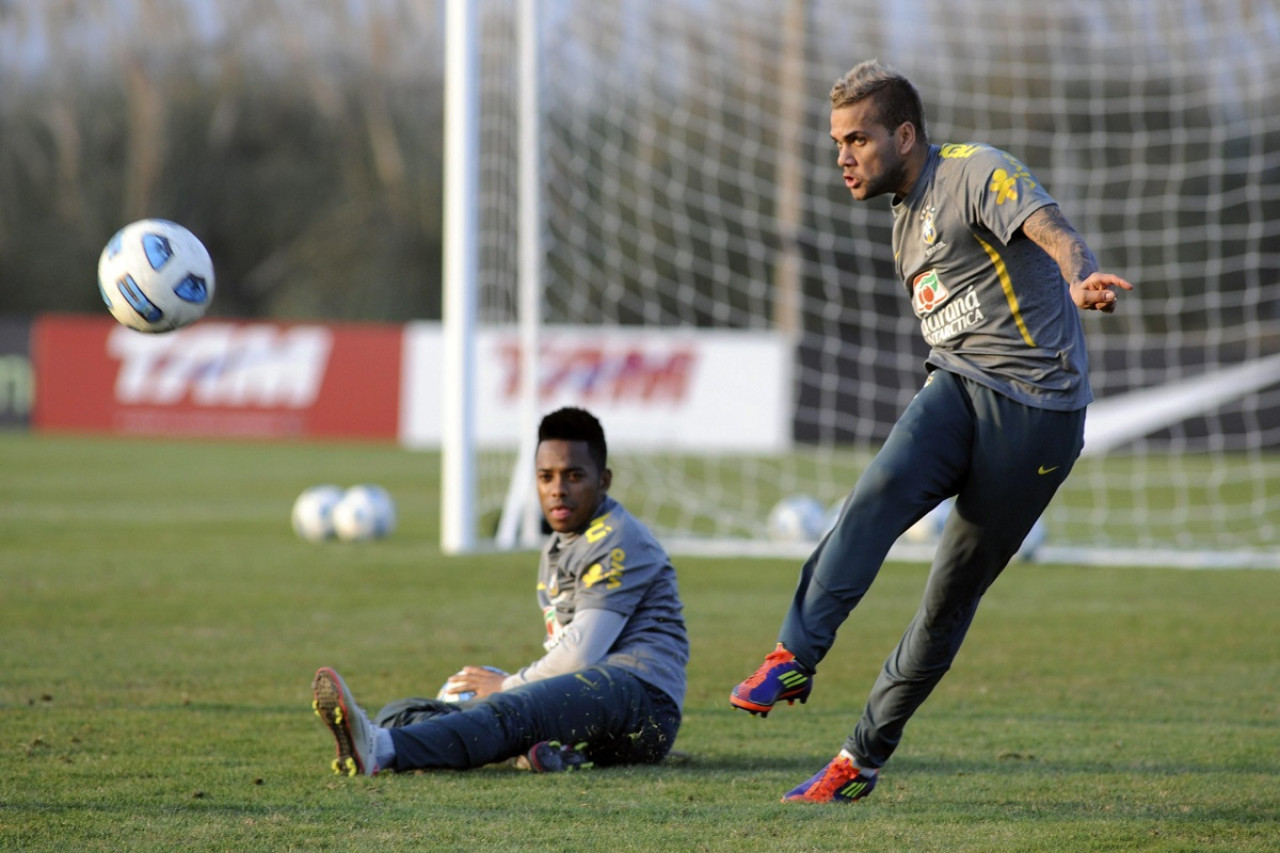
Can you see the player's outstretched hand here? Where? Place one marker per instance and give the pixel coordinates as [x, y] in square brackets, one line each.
[1098, 292]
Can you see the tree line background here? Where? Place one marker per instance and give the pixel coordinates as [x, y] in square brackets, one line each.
[303, 142]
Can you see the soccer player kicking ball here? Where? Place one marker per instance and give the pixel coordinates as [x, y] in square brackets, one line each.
[995, 274]
[610, 687]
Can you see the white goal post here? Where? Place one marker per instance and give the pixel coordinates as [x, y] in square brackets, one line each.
[674, 174]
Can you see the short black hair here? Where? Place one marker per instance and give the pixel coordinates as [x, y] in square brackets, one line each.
[574, 424]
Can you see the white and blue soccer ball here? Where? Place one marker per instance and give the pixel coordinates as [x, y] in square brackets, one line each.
[313, 512]
[928, 530]
[1034, 539]
[365, 512]
[155, 276]
[797, 518]
[444, 694]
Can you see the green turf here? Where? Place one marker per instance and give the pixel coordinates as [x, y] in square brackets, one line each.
[159, 625]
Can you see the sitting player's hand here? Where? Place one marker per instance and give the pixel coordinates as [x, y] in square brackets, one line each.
[481, 680]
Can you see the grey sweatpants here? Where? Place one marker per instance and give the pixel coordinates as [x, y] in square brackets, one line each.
[1003, 461]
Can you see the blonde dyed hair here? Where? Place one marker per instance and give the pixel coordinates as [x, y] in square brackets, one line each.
[896, 100]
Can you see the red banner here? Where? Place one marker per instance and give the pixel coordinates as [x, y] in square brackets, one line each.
[214, 378]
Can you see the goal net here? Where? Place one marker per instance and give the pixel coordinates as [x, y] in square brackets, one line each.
[688, 182]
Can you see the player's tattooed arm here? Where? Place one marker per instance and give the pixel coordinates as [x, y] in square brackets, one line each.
[1049, 229]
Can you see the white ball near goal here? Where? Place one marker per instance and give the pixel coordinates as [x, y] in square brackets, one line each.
[365, 512]
[1035, 538]
[312, 515]
[927, 530]
[797, 518]
[155, 276]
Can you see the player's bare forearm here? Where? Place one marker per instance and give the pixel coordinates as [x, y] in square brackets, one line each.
[1051, 231]
[1092, 290]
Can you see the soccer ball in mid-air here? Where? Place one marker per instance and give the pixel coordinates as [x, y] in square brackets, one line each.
[798, 518]
[444, 694]
[364, 512]
[155, 276]
[313, 512]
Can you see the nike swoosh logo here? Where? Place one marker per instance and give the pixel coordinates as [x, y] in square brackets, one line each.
[1043, 470]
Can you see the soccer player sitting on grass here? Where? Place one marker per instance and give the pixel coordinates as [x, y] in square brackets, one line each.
[609, 689]
[995, 275]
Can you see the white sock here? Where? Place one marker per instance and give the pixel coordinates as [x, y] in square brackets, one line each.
[384, 748]
[862, 771]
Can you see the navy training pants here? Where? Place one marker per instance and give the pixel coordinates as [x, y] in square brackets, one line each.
[1003, 461]
[622, 719]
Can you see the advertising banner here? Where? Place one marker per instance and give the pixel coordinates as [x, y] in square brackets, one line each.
[654, 389]
[247, 380]
[17, 379]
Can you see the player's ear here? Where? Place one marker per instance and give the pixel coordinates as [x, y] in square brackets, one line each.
[905, 136]
[606, 480]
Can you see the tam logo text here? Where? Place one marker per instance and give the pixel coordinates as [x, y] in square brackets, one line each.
[217, 364]
[602, 373]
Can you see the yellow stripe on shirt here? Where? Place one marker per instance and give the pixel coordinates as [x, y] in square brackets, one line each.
[1006, 284]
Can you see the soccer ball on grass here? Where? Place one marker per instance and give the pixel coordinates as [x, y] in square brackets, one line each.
[313, 512]
[364, 512]
[928, 530]
[797, 518]
[444, 694]
[155, 276]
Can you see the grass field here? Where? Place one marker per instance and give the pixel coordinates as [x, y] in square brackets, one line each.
[159, 625]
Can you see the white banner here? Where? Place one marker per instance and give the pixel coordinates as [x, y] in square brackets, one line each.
[678, 389]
